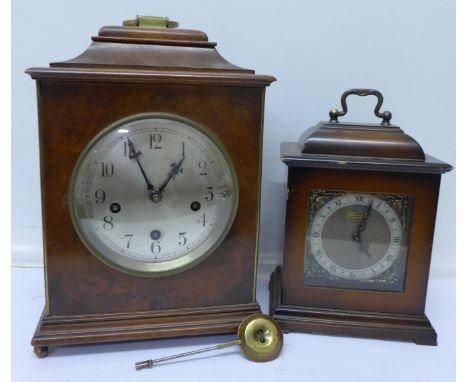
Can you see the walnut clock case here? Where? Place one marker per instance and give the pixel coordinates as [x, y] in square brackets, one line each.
[150, 153]
[360, 220]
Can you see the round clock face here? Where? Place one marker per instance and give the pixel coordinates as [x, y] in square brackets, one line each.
[355, 236]
[153, 194]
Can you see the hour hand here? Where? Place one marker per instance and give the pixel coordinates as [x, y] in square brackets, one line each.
[176, 168]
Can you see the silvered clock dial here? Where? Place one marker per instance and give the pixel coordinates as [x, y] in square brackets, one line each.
[153, 194]
[357, 240]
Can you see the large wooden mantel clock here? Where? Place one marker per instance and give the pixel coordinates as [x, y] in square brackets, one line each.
[150, 152]
[360, 220]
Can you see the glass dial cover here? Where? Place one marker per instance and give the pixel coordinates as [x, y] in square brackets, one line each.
[357, 240]
[153, 194]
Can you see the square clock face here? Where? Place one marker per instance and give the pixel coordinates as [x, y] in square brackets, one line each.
[357, 240]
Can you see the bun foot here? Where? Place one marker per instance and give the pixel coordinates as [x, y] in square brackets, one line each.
[41, 351]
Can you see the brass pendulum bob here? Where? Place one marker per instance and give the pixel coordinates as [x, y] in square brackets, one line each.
[259, 337]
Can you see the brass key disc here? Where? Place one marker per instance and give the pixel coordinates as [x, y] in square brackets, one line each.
[260, 337]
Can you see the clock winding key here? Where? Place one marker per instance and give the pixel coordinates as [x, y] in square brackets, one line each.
[259, 337]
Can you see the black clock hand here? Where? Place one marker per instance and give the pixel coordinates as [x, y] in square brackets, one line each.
[156, 195]
[175, 169]
[134, 154]
[356, 235]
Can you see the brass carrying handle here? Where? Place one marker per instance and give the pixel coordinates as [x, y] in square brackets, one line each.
[151, 22]
[386, 115]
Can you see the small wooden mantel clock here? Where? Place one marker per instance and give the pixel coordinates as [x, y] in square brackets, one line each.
[360, 220]
[150, 149]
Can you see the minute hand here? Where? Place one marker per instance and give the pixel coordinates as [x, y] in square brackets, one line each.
[356, 235]
[134, 154]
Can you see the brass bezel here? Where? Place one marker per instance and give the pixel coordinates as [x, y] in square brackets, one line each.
[211, 136]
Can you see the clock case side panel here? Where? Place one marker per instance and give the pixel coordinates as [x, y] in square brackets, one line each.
[40, 113]
[79, 285]
[300, 307]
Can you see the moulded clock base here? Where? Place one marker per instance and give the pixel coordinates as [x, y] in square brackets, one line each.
[114, 327]
[404, 327]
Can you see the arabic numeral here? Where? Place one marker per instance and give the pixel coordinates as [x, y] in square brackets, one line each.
[202, 220]
[202, 166]
[182, 238]
[210, 195]
[107, 169]
[155, 140]
[129, 236]
[100, 196]
[125, 145]
[108, 223]
[156, 247]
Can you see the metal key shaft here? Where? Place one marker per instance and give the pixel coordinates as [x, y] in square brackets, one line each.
[151, 362]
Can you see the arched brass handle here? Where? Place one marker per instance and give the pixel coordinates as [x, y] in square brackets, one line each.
[386, 115]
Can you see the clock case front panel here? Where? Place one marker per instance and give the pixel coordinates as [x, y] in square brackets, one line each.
[352, 312]
[88, 301]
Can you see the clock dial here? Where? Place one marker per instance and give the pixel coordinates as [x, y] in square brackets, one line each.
[153, 194]
[357, 240]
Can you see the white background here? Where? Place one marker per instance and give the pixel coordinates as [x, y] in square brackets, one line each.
[316, 50]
